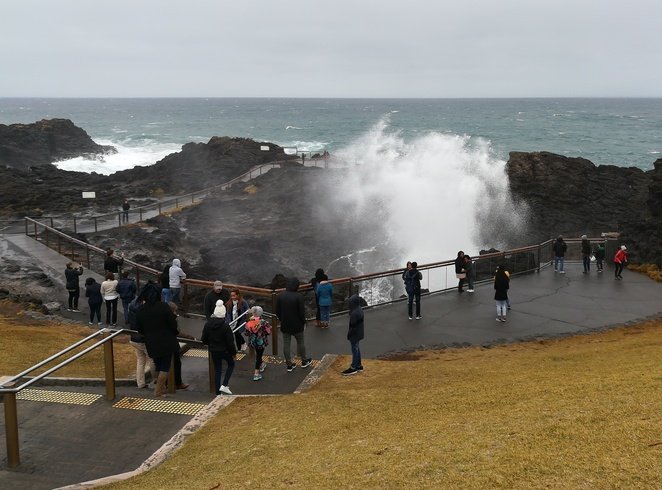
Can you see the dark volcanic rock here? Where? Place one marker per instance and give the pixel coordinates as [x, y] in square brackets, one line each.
[44, 142]
[572, 196]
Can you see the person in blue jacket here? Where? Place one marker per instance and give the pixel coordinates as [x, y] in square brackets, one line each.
[126, 288]
[324, 292]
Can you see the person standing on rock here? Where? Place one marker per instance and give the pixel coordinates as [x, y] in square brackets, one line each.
[175, 275]
[355, 334]
[291, 313]
[236, 308]
[215, 294]
[460, 272]
[158, 326]
[111, 297]
[559, 248]
[257, 333]
[111, 263]
[620, 259]
[125, 211]
[319, 274]
[217, 336]
[501, 286]
[324, 292]
[600, 256]
[586, 254]
[126, 288]
[94, 299]
[73, 286]
[413, 287]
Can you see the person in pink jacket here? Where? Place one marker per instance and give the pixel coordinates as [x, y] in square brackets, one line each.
[620, 259]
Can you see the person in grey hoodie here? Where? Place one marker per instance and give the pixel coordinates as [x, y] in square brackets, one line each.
[292, 316]
[355, 334]
[176, 275]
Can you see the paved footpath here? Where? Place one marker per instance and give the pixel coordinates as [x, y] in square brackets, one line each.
[67, 443]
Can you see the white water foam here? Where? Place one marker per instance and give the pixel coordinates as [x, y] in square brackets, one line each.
[441, 193]
[126, 157]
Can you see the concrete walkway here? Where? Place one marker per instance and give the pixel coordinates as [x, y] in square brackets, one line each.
[63, 444]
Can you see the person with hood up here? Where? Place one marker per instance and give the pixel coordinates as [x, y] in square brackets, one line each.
[559, 248]
[412, 277]
[586, 254]
[620, 259]
[217, 335]
[291, 313]
[217, 292]
[324, 293]
[258, 331]
[126, 288]
[175, 275]
[355, 334]
[460, 272]
[158, 325]
[94, 299]
[72, 275]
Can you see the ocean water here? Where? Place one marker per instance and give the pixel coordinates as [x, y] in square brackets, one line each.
[623, 132]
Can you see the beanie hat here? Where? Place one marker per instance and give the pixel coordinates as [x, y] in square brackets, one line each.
[623, 247]
[219, 311]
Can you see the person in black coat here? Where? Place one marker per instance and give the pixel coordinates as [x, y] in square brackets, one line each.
[217, 293]
[412, 277]
[73, 287]
[319, 276]
[292, 316]
[94, 299]
[157, 323]
[355, 334]
[111, 263]
[501, 286]
[218, 336]
[460, 271]
[559, 248]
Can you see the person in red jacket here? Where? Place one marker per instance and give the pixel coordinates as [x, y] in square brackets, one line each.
[620, 259]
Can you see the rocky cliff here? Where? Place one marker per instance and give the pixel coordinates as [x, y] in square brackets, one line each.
[44, 142]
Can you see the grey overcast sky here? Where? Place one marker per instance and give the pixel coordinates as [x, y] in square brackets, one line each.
[337, 48]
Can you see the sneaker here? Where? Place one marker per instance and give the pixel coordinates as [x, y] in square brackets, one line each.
[503, 319]
[75, 310]
[359, 369]
[225, 389]
[244, 347]
[306, 362]
[410, 318]
[290, 367]
[349, 371]
[263, 366]
[69, 309]
[470, 290]
[556, 270]
[257, 377]
[90, 323]
[419, 317]
[499, 319]
[561, 272]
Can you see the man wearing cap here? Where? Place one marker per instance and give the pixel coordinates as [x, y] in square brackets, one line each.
[213, 296]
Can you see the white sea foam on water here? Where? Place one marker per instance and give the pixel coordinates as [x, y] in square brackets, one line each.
[292, 127]
[441, 193]
[305, 146]
[148, 153]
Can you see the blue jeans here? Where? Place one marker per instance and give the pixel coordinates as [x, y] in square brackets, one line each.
[217, 358]
[125, 309]
[586, 259]
[166, 295]
[174, 294]
[356, 355]
[557, 261]
[325, 313]
[411, 296]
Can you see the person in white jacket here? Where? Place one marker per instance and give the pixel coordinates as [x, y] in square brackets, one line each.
[176, 277]
[110, 296]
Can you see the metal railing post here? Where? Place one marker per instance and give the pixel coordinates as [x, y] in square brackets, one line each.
[212, 374]
[177, 202]
[171, 377]
[35, 230]
[27, 231]
[109, 369]
[119, 219]
[11, 430]
[274, 336]
[87, 252]
[160, 208]
[46, 235]
[52, 222]
[73, 253]
[539, 252]
[185, 298]
[96, 228]
[75, 226]
[141, 213]
[137, 277]
[59, 244]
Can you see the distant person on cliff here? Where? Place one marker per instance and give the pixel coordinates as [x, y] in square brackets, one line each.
[111, 263]
[215, 294]
[413, 279]
[217, 335]
[501, 286]
[176, 275]
[291, 313]
[460, 272]
[600, 256]
[470, 272]
[126, 288]
[586, 254]
[72, 275]
[324, 291]
[257, 334]
[319, 274]
[559, 248]
[158, 325]
[94, 299]
[237, 308]
[125, 211]
[620, 259]
[111, 297]
[355, 334]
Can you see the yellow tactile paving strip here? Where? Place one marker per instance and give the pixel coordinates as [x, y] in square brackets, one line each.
[203, 353]
[160, 406]
[72, 398]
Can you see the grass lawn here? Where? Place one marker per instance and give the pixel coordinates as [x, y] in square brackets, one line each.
[581, 412]
[25, 342]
